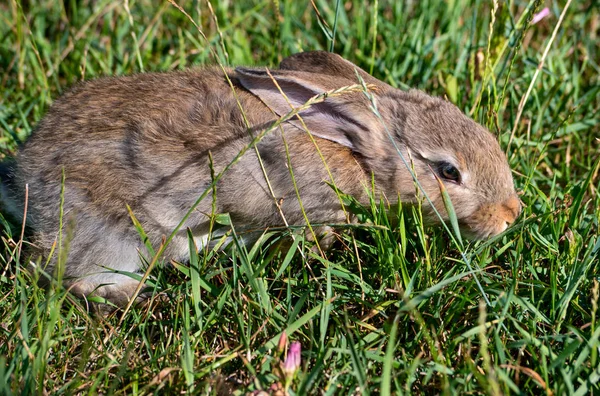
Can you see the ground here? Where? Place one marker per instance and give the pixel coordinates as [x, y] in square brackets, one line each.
[393, 307]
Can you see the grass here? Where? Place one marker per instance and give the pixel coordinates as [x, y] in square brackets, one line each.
[393, 307]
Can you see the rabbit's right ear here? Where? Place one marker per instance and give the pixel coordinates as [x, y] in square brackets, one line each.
[344, 119]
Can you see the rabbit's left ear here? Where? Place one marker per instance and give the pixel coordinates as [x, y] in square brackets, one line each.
[345, 119]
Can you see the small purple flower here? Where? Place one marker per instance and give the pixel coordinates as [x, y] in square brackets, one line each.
[293, 359]
[540, 15]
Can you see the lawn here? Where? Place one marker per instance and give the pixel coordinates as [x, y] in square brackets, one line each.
[394, 307]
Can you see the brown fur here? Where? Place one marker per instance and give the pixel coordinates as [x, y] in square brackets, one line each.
[143, 141]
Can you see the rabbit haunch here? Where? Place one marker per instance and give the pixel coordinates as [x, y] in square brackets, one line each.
[144, 141]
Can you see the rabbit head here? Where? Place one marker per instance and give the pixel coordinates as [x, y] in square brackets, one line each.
[392, 132]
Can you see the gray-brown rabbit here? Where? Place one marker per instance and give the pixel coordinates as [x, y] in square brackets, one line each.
[144, 141]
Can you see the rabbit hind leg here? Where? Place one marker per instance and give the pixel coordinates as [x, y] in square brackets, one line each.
[101, 269]
[113, 297]
[117, 294]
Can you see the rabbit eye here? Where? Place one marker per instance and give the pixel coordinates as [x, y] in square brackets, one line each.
[449, 172]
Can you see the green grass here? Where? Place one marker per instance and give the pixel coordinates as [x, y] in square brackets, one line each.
[392, 308]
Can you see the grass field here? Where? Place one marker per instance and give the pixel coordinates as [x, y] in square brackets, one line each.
[391, 308]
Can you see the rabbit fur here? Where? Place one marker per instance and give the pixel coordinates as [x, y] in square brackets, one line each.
[144, 141]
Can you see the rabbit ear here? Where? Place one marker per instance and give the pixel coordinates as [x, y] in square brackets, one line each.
[331, 64]
[337, 118]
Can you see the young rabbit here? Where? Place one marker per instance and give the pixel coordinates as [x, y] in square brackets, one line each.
[144, 141]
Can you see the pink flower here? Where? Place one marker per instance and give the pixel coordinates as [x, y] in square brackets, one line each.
[292, 361]
[282, 342]
[540, 15]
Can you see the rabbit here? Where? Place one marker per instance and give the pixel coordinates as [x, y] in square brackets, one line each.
[148, 141]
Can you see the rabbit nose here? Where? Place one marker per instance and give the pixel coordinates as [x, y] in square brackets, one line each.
[512, 209]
